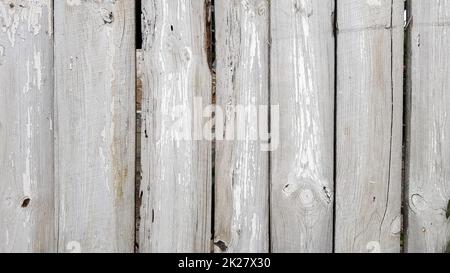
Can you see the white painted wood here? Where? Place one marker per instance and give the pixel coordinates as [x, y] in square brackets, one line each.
[302, 85]
[242, 169]
[26, 131]
[369, 125]
[176, 159]
[429, 126]
[95, 124]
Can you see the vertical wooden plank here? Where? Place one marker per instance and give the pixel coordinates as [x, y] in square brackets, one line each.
[302, 85]
[429, 126]
[369, 125]
[26, 130]
[95, 124]
[176, 157]
[242, 169]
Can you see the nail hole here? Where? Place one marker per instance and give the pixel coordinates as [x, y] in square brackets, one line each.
[26, 202]
[221, 245]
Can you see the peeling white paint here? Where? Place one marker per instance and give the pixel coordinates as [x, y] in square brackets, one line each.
[2, 53]
[374, 3]
[26, 177]
[38, 68]
[27, 87]
[17, 18]
[73, 2]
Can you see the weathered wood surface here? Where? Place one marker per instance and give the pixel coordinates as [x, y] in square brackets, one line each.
[428, 173]
[26, 130]
[242, 169]
[95, 125]
[176, 158]
[369, 125]
[302, 84]
[68, 126]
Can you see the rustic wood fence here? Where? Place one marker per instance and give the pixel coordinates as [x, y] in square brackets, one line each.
[356, 149]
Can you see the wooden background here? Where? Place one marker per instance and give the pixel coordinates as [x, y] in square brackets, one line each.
[87, 97]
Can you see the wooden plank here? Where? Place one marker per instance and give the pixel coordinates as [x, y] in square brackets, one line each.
[26, 131]
[429, 126]
[242, 169]
[176, 159]
[302, 85]
[95, 124]
[369, 125]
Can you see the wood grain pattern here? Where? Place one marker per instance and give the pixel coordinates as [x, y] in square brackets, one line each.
[369, 125]
[302, 85]
[95, 124]
[429, 126]
[176, 158]
[26, 130]
[68, 126]
[242, 169]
